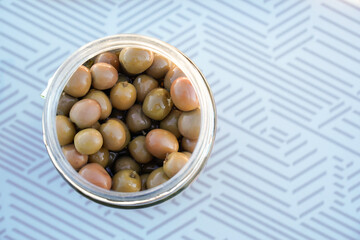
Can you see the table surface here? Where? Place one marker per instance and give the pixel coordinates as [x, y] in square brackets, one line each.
[286, 79]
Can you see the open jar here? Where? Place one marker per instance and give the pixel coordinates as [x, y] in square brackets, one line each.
[154, 195]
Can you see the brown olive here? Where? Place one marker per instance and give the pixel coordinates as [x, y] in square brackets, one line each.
[85, 113]
[88, 141]
[65, 104]
[101, 157]
[183, 94]
[127, 133]
[189, 124]
[76, 159]
[170, 123]
[123, 95]
[161, 142]
[112, 157]
[97, 175]
[174, 162]
[65, 130]
[144, 178]
[156, 178]
[171, 75]
[110, 58]
[135, 60]
[144, 84]
[126, 162]
[159, 67]
[104, 75]
[188, 144]
[188, 154]
[114, 135]
[126, 181]
[149, 167]
[136, 119]
[79, 83]
[103, 100]
[138, 150]
[157, 104]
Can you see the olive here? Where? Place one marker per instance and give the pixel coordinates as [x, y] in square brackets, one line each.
[188, 144]
[156, 178]
[183, 95]
[117, 114]
[136, 119]
[114, 135]
[65, 104]
[144, 178]
[149, 167]
[101, 157]
[79, 83]
[171, 75]
[157, 104]
[85, 113]
[126, 181]
[123, 78]
[104, 75]
[174, 162]
[123, 95]
[65, 130]
[88, 141]
[170, 123]
[112, 157]
[103, 101]
[159, 67]
[126, 162]
[188, 154]
[76, 159]
[143, 85]
[135, 60]
[189, 124]
[138, 150]
[96, 174]
[161, 142]
[127, 133]
[110, 58]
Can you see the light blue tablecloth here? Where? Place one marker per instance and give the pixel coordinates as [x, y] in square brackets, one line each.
[286, 79]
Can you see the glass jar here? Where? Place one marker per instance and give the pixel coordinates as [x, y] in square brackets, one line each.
[154, 195]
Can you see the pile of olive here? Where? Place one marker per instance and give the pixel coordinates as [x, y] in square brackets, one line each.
[128, 120]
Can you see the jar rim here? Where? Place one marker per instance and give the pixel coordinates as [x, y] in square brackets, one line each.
[154, 195]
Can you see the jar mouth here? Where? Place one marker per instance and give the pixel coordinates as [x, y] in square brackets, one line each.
[150, 196]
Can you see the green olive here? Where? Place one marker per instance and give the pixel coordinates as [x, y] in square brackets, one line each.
[136, 119]
[127, 133]
[110, 58]
[161, 142]
[103, 101]
[144, 178]
[138, 150]
[114, 135]
[156, 178]
[65, 130]
[126, 181]
[85, 113]
[157, 104]
[97, 175]
[88, 141]
[135, 60]
[171, 75]
[159, 67]
[170, 123]
[65, 104]
[144, 84]
[126, 162]
[123, 95]
[79, 83]
[189, 124]
[76, 159]
[101, 157]
[174, 162]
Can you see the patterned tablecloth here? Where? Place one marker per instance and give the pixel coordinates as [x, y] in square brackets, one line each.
[286, 79]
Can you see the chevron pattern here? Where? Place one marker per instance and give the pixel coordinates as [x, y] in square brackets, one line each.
[285, 76]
